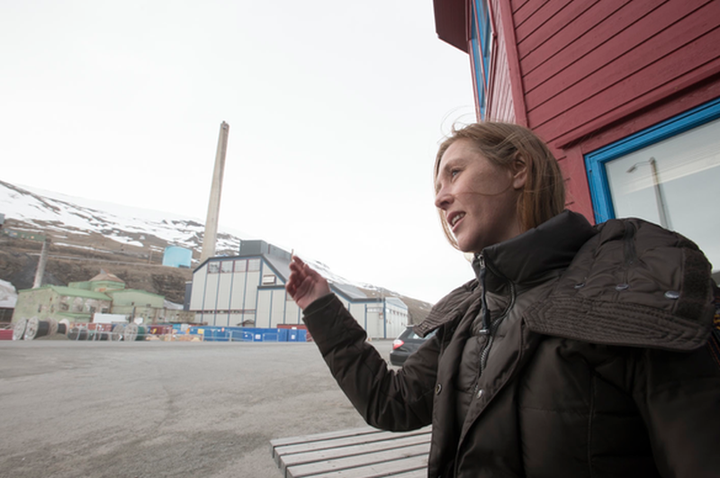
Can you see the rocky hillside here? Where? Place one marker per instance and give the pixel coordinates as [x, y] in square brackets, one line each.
[88, 238]
[139, 270]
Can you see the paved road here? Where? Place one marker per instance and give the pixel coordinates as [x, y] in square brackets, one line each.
[161, 409]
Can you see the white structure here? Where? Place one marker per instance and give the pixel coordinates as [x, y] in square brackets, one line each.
[249, 290]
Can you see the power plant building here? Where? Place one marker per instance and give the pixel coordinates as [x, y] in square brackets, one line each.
[249, 290]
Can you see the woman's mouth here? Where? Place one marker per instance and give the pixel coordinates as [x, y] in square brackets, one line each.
[455, 219]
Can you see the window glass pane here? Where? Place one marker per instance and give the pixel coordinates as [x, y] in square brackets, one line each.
[227, 266]
[213, 267]
[675, 182]
[480, 35]
[240, 265]
[253, 265]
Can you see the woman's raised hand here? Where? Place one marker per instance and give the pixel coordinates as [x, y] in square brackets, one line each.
[305, 285]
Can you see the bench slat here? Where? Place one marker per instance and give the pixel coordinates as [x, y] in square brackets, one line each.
[353, 450]
[340, 441]
[366, 466]
[354, 453]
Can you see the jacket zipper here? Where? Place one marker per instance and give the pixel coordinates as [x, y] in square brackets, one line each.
[489, 327]
[630, 253]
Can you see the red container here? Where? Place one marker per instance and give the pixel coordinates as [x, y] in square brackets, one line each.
[161, 329]
[6, 334]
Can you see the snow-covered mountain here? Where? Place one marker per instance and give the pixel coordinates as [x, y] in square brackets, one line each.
[59, 215]
[79, 223]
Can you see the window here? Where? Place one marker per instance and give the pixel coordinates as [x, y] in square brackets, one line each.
[253, 265]
[269, 279]
[666, 174]
[226, 266]
[481, 38]
[213, 267]
[241, 265]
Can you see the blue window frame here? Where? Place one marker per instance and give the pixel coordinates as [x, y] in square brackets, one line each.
[596, 162]
[481, 41]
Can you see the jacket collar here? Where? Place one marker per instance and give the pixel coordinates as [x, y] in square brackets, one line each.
[523, 260]
[530, 256]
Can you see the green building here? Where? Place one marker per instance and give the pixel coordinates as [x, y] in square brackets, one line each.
[57, 302]
[79, 301]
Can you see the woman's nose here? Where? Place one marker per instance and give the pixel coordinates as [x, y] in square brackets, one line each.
[442, 199]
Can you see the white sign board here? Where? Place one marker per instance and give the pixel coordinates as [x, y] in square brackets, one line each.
[99, 318]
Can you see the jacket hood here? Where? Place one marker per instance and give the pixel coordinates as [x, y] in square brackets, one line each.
[634, 284]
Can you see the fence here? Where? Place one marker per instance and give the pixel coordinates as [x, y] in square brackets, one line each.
[30, 329]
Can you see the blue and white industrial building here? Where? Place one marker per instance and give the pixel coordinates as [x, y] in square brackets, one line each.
[249, 290]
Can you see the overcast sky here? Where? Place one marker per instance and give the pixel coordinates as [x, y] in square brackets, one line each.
[335, 112]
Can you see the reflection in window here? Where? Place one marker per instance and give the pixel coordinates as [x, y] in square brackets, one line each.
[213, 267]
[226, 266]
[673, 183]
[482, 44]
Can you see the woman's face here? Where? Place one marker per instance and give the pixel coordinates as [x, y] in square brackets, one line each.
[478, 199]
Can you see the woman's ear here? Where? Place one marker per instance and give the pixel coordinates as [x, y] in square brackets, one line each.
[519, 170]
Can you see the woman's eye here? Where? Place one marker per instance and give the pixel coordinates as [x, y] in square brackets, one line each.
[454, 173]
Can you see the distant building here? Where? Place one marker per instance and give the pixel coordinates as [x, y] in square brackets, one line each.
[8, 300]
[249, 290]
[79, 301]
[177, 257]
[626, 94]
[58, 302]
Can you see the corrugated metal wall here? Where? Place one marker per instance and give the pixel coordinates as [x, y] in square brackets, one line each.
[231, 297]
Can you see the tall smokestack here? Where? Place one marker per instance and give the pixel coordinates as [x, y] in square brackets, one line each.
[211, 224]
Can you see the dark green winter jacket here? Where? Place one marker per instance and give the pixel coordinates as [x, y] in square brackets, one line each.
[579, 351]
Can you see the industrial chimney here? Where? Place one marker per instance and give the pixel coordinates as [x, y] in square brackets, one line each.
[211, 224]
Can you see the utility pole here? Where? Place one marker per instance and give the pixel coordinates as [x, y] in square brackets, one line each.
[40, 271]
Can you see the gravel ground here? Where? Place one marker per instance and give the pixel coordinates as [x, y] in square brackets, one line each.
[161, 409]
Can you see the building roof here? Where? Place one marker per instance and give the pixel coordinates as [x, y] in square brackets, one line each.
[72, 292]
[131, 291]
[106, 276]
[451, 22]
[349, 291]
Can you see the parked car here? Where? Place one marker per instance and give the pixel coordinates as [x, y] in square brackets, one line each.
[405, 344]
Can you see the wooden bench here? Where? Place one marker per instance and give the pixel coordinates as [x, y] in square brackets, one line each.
[356, 453]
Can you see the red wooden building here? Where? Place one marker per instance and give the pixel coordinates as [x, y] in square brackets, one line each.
[626, 93]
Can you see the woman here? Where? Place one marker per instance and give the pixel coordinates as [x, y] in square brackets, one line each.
[578, 350]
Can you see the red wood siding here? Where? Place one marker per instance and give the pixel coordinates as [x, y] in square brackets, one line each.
[595, 71]
[585, 73]
[615, 53]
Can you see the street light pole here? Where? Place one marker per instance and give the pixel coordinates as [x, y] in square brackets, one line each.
[657, 188]
[659, 198]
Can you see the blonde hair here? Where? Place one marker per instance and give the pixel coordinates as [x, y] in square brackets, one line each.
[543, 195]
